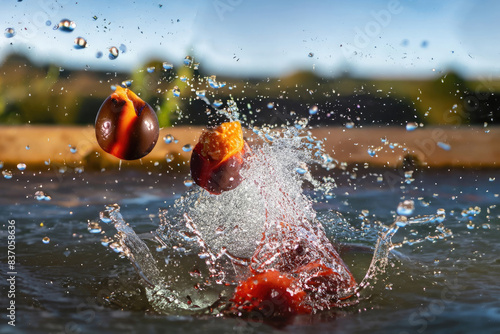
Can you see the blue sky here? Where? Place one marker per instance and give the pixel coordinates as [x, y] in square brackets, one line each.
[391, 38]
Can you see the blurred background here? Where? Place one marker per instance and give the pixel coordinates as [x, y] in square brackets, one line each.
[384, 62]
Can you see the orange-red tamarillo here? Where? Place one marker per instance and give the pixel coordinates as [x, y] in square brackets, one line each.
[218, 157]
[126, 126]
[272, 293]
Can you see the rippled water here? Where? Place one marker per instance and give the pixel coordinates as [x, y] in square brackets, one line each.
[74, 284]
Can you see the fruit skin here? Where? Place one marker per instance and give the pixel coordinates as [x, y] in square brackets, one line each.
[126, 126]
[218, 157]
[271, 293]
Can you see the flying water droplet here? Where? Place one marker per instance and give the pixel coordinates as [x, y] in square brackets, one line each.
[176, 91]
[411, 126]
[106, 241]
[217, 103]
[168, 139]
[113, 52]
[150, 69]
[104, 217]
[188, 61]
[349, 125]
[188, 183]
[46, 240]
[66, 25]
[313, 110]
[406, 208]
[94, 227]
[444, 146]
[21, 166]
[169, 157]
[371, 152]
[167, 66]
[200, 93]
[270, 105]
[41, 196]
[80, 43]
[9, 32]
[187, 148]
[300, 171]
[126, 83]
[310, 54]
[73, 149]
[99, 54]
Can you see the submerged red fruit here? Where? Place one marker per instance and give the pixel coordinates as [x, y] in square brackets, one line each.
[272, 293]
[299, 264]
[126, 126]
[218, 157]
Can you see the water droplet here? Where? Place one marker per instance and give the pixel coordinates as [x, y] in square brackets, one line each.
[1, 164]
[188, 183]
[150, 69]
[72, 149]
[9, 32]
[217, 103]
[48, 23]
[486, 226]
[313, 110]
[444, 146]
[94, 17]
[470, 225]
[200, 93]
[349, 125]
[41, 196]
[371, 152]
[66, 25]
[188, 61]
[270, 105]
[80, 43]
[126, 83]
[310, 54]
[106, 241]
[167, 66]
[94, 227]
[46, 240]
[116, 247]
[123, 48]
[411, 126]
[104, 217]
[99, 54]
[187, 148]
[168, 139]
[196, 66]
[169, 157]
[113, 52]
[406, 208]
[301, 171]
[176, 91]
[491, 179]
[21, 166]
